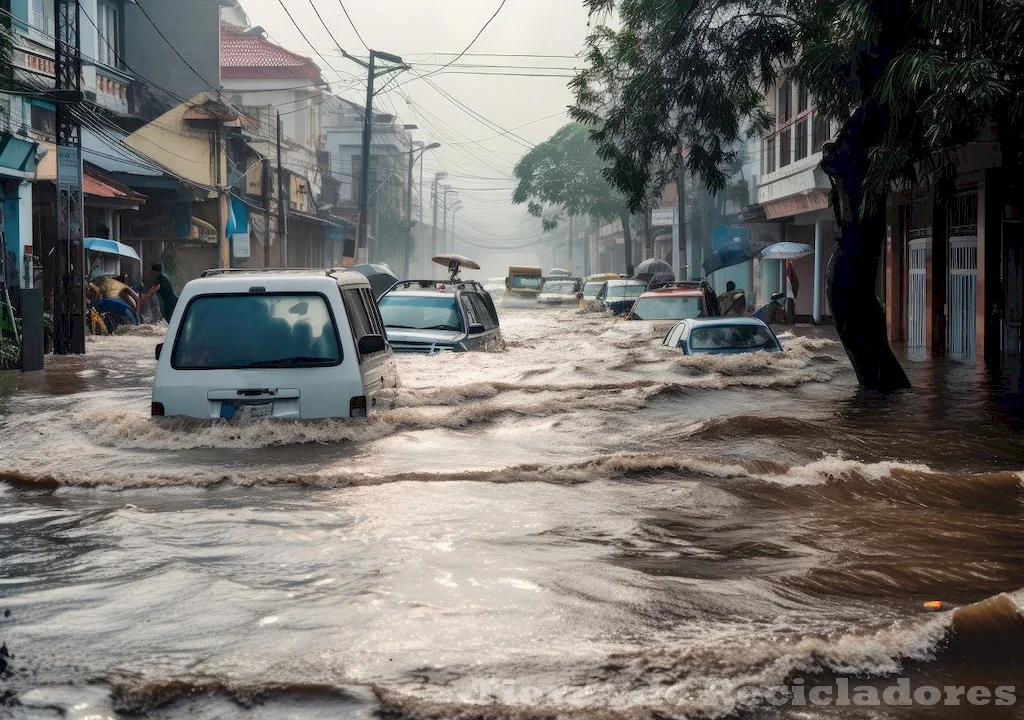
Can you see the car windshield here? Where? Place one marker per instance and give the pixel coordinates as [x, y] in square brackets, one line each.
[559, 288]
[419, 312]
[626, 291]
[256, 331]
[668, 308]
[593, 287]
[736, 337]
[524, 282]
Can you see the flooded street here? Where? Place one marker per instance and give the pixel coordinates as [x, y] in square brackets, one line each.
[585, 525]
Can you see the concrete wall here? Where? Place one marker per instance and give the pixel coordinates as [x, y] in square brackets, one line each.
[192, 27]
[183, 150]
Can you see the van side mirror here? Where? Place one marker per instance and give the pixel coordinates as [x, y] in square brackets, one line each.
[476, 329]
[159, 349]
[370, 344]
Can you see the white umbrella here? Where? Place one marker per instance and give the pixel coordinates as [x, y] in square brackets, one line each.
[786, 251]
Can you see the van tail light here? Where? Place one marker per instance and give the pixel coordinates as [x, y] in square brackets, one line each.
[357, 407]
[156, 409]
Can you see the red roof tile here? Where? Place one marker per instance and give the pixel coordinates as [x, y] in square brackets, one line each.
[253, 56]
[95, 187]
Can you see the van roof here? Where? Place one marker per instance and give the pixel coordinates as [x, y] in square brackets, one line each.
[341, 276]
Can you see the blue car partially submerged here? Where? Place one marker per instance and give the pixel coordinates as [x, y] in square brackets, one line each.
[722, 336]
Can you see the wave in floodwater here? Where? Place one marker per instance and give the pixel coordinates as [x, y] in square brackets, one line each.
[832, 478]
[705, 678]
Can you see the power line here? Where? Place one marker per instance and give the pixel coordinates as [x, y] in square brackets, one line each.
[475, 38]
[303, 34]
[160, 32]
[320, 18]
[354, 28]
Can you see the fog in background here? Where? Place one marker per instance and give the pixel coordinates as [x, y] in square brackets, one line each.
[468, 107]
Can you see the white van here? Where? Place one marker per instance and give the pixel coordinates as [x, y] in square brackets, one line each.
[292, 344]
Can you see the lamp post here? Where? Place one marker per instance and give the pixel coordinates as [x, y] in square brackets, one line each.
[413, 157]
[364, 171]
[455, 208]
[433, 194]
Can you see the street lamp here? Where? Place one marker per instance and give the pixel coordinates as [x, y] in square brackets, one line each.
[364, 174]
[408, 197]
[433, 195]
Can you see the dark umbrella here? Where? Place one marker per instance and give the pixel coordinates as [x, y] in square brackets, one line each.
[380, 276]
[654, 270]
[733, 253]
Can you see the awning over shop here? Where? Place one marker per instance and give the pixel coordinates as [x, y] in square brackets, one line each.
[326, 220]
[17, 157]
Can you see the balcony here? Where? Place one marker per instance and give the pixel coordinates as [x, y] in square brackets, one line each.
[792, 181]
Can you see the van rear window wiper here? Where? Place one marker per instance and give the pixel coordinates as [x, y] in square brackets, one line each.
[292, 361]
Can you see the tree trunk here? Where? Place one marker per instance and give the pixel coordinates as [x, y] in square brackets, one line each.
[627, 238]
[853, 268]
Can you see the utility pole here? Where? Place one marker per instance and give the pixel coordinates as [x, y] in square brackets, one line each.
[444, 234]
[433, 195]
[68, 259]
[282, 217]
[680, 252]
[408, 199]
[364, 171]
[455, 208]
[222, 232]
[266, 212]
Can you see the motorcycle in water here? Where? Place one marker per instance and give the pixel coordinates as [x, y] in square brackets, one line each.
[774, 312]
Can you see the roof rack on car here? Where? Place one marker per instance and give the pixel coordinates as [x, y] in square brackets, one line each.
[329, 272]
[409, 284]
[676, 284]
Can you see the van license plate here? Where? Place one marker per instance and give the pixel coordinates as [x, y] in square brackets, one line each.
[244, 412]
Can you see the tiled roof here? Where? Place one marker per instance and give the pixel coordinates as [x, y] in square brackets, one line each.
[253, 56]
[94, 186]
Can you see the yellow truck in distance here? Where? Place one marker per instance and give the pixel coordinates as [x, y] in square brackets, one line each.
[523, 282]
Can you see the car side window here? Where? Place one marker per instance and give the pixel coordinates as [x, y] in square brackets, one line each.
[358, 317]
[373, 312]
[480, 310]
[467, 308]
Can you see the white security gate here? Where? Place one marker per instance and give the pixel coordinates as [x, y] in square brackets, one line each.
[917, 297]
[963, 297]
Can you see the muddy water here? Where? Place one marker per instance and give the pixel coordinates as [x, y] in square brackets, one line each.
[584, 525]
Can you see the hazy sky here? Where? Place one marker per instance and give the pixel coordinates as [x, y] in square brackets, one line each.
[416, 30]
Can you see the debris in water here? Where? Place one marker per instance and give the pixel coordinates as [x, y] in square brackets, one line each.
[933, 605]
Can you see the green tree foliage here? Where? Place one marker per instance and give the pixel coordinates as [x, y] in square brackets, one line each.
[912, 81]
[564, 177]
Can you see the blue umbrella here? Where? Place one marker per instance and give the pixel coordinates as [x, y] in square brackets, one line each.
[111, 247]
[732, 253]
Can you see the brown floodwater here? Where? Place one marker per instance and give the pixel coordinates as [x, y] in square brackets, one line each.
[585, 525]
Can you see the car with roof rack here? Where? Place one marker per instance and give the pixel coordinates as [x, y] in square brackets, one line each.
[592, 285]
[431, 316]
[287, 344]
[560, 290]
[665, 304]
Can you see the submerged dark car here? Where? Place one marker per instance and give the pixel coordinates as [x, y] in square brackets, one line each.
[429, 316]
[617, 296]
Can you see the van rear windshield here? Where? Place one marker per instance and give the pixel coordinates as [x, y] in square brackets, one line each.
[276, 330]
